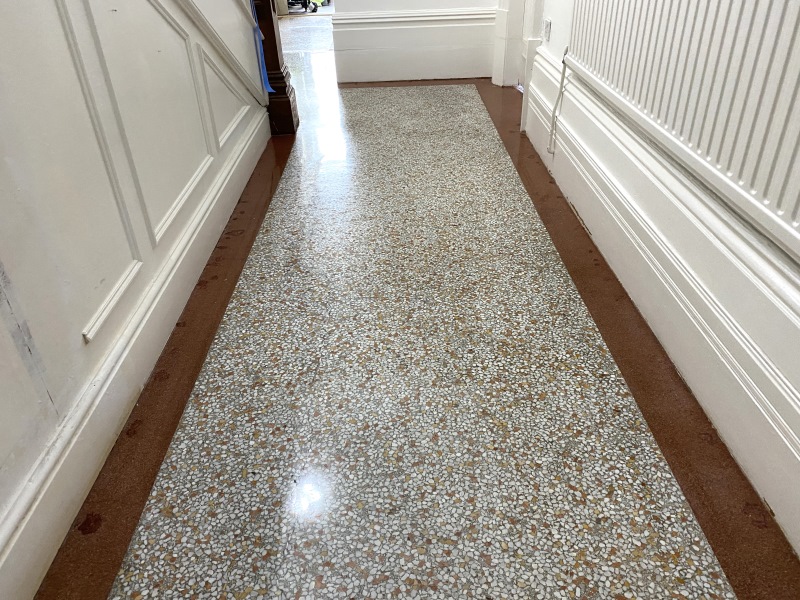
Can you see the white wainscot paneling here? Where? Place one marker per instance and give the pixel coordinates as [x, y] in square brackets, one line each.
[226, 99]
[65, 237]
[722, 299]
[414, 44]
[150, 63]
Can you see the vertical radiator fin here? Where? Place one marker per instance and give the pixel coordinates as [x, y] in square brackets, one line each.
[717, 82]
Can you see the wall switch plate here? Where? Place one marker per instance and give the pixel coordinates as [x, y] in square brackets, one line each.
[548, 25]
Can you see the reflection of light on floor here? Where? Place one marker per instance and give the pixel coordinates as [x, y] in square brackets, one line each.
[330, 136]
[323, 73]
[331, 144]
[311, 497]
[322, 143]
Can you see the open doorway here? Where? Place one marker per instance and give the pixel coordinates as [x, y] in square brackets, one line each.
[305, 26]
[303, 32]
[304, 8]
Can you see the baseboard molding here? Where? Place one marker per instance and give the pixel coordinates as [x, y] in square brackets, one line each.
[42, 513]
[724, 303]
[414, 44]
[413, 18]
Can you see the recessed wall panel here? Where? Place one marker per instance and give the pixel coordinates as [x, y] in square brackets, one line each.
[226, 102]
[148, 58]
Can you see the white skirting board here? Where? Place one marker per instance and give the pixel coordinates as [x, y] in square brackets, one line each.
[724, 303]
[63, 477]
[414, 44]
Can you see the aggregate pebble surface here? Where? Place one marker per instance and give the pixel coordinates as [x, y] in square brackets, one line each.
[407, 397]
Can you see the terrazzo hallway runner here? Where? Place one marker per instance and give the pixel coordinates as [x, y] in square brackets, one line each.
[408, 398]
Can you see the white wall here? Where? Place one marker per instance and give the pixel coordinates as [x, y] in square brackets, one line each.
[413, 39]
[517, 34]
[128, 130]
[721, 294]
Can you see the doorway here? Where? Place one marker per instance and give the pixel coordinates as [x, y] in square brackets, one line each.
[304, 8]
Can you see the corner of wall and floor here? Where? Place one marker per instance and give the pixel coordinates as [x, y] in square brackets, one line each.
[714, 274]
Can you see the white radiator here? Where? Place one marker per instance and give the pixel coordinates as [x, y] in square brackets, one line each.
[716, 84]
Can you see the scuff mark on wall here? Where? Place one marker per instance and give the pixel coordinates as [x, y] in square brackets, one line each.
[11, 315]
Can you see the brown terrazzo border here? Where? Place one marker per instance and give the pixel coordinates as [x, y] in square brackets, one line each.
[92, 552]
[755, 555]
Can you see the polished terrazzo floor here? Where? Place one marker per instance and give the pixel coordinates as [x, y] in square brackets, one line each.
[407, 396]
[302, 37]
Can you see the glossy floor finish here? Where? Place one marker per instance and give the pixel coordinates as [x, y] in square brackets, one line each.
[301, 38]
[407, 396]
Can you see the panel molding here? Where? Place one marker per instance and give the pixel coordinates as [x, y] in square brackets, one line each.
[105, 310]
[97, 124]
[220, 138]
[201, 92]
[151, 233]
[156, 231]
[233, 125]
[128, 275]
[244, 6]
[185, 194]
[208, 135]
